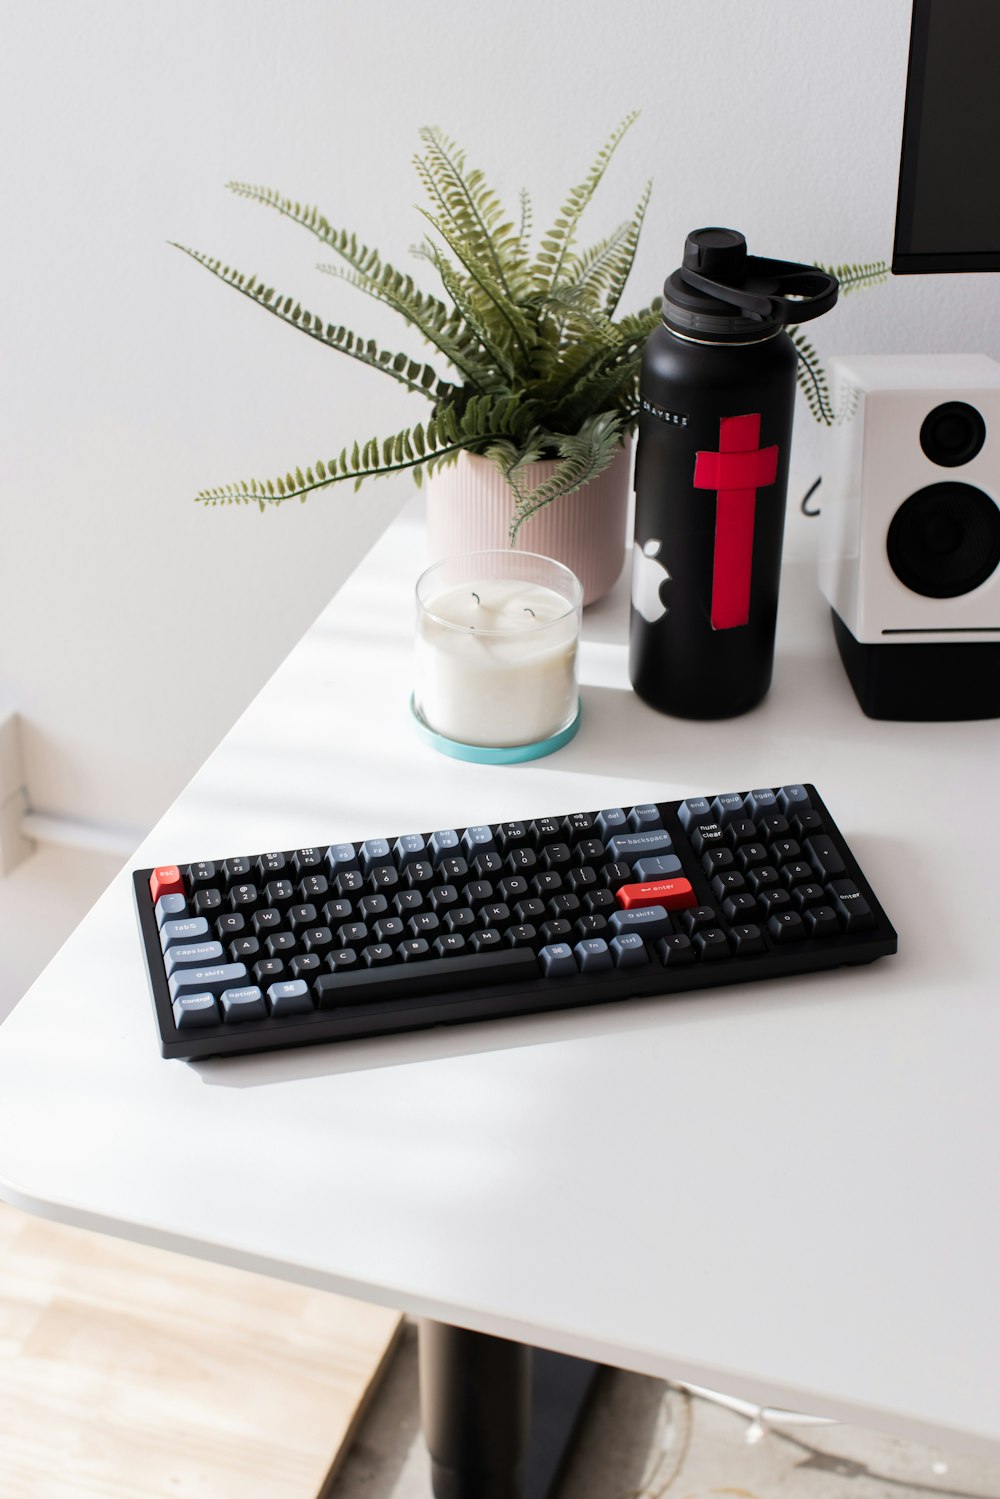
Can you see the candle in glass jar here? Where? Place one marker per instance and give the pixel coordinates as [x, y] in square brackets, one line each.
[496, 658]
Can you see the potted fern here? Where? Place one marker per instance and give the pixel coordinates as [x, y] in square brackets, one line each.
[534, 392]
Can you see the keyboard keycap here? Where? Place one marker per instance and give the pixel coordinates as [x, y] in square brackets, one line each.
[291, 997]
[673, 895]
[627, 847]
[462, 971]
[629, 951]
[851, 906]
[243, 1004]
[193, 955]
[593, 955]
[648, 921]
[210, 980]
[175, 932]
[193, 1011]
[170, 908]
[657, 868]
[557, 960]
[165, 881]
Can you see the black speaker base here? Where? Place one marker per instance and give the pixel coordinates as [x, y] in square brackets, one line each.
[922, 683]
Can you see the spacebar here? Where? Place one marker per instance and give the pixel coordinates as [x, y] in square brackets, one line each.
[436, 976]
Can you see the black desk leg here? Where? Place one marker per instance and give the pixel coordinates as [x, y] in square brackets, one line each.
[498, 1416]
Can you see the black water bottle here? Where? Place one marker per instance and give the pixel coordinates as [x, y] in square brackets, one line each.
[715, 424]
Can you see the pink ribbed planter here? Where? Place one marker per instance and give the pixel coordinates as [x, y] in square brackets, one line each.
[470, 507]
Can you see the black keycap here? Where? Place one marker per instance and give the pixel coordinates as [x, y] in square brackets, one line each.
[207, 902]
[547, 884]
[718, 858]
[599, 902]
[739, 907]
[557, 856]
[414, 949]
[377, 953]
[304, 860]
[785, 851]
[805, 824]
[268, 865]
[711, 944]
[349, 882]
[462, 970]
[279, 943]
[314, 887]
[808, 895]
[705, 836]
[487, 865]
[749, 855]
[787, 926]
[230, 925]
[511, 835]
[343, 960]
[266, 921]
[352, 933]
[385, 877]
[545, 830]
[420, 874]
[424, 923]
[576, 826]
[739, 832]
[200, 874]
[486, 940]
[675, 951]
[495, 913]
[524, 934]
[615, 875]
[449, 943]
[566, 904]
[582, 879]
[556, 931]
[762, 877]
[530, 909]
[236, 870]
[772, 825]
[301, 915]
[729, 882]
[317, 939]
[775, 901]
[336, 911]
[698, 918]
[512, 888]
[453, 869]
[244, 948]
[388, 929]
[405, 902]
[796, 873]
[304, 965]
[591, 926]
[459, 919]
[851, 906]
[442, 896]
[821, 921]
[521, 861]
[370, 906]
[242, 896]
[590, 851]
[747, 939]
[824, 858]
[267, 970]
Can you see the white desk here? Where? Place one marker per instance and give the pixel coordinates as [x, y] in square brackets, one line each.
[787, 1191]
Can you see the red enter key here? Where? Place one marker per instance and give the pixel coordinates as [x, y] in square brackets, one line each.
[673, 895]
[165, 881]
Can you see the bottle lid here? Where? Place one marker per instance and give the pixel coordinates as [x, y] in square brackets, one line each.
[720, 294]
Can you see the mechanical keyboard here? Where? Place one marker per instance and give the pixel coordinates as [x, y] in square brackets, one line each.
[280, 949]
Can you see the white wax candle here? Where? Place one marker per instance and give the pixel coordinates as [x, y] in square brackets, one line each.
[496, 662]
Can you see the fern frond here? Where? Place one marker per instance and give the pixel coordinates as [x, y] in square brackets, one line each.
[582, 456]
[412, 373]
[625, 257]
[812, 379]
[507, 312]
[484, 421]
[469, 207]
[550, 263]
[856, 277]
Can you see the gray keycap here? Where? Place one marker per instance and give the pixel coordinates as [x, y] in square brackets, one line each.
[694, 810]
[375, 851]
[759, 802]
[611, 821]
[593, 954]
[174, 932]
[192, 955]
[648, 921]
[629, 950]
[407, 848]
[341, 856]
[193, 1010]
[658, 868]
[290, 998]
[169, 908]
[625, 847]
[477, 839]
[727, 807]
[243, 1004]
[211, 980]
[444, 841]
[644, 817]
[557, 960]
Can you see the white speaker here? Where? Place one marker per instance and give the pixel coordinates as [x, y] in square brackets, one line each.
[910, 534]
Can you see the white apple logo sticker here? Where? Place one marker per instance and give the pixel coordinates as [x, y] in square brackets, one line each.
[647, 577]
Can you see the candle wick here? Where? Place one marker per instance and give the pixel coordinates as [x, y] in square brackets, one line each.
[475, 596]
[529, 611]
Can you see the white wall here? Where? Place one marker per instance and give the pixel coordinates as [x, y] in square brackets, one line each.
[134, 624]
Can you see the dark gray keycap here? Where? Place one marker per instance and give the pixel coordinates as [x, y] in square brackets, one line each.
[557, 960]
[611, 821]
[627, 847]
[793, 799]
[407, 848]
[246, 1003]
[374, 851]
[693, 811]
[824, 857]
[193, 1010]
[444, 841]
[192, 955]
[851, 906]
[209, 980]
[648, 921]
[727, 807]
[656, 868]
[787, 926]
[645, 818]
[629, 950]
[341, 857]
[477, 839]
[170, 908]
[190, 930]
[291, 997]
[759, 802]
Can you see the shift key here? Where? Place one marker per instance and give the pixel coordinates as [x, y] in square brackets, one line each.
[207, 980]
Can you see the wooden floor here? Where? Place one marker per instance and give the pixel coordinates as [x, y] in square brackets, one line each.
[130, 1373]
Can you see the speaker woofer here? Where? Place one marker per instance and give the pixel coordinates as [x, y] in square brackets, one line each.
[945, 540]
[952, 434]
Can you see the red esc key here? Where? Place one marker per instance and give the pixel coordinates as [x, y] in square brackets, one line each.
[165, 881]
[673, 895]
